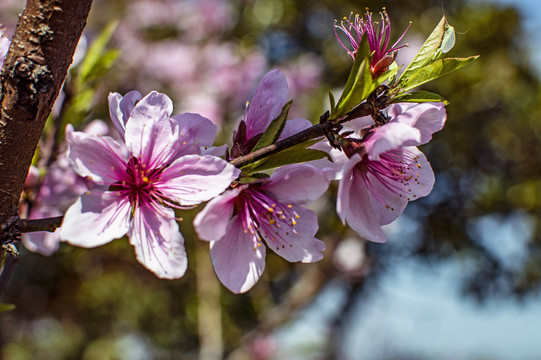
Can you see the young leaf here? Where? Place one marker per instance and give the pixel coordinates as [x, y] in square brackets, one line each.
[359, 87]
[285, 157]
[274, 130]
[96, 51]
[331, 100]
[357, 73]
[419, 96]
[435, 70]
[282, 158]
[427, 52]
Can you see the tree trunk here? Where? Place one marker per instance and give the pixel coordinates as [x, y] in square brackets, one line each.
[34, 69]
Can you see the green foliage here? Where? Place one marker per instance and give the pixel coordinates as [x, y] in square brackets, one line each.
[419, 96]
[86, 77]
[360, 84]
[293, 155]
[275, 128]
[429, 63]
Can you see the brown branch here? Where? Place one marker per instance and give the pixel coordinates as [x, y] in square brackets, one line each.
[46, 224]
[37, 62]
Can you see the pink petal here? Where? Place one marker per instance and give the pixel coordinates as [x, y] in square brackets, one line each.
[95, 219]
[300, 246]
[195, 132]
[388, 204]
[298, 183]
[99, 158]
[150, 134]
[353, 204]
[120, 109]
[237, 264]
[390, 136]
[294, 126]
[427, 117]
[360, 123]
[270, 96]
[158, 243]
[42, 242]
[193, 179]
[211, 222]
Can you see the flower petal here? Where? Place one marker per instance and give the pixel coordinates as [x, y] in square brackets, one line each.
[270, 96]
[42, 242]
[121, 107]
[193, 179]
[427, 117]
[389, 201]
[158, 243]
[211, 223]
[353, 204]
[390, 136]
[99, 158]
[294, 126]
[95, 219]
[299, 246]
[195, 132]
[360, 123]
[237, 264]
[150, 134]
[298, 183]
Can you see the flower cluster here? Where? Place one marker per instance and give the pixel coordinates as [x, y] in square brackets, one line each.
[158, 164]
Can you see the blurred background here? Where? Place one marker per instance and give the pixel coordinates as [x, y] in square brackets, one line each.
[460, 275]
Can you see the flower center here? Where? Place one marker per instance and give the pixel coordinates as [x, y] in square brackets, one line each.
[396, 170]
[138, 182]
[264, 217]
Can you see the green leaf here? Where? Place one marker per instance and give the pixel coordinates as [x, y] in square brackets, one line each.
[419, 96]
[427, 52]
[285, 157]
[331, 100]
[275, 128]
[359, 85]
[357, 73]
[435, 70]
[6, 307]
[96, 51]
[252, 178]
[295, 154]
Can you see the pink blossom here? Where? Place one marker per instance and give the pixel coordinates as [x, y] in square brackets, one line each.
[269, 99]
[384, 170]
[59, 189]
[237, 222]
[378, 35]
[139, 182]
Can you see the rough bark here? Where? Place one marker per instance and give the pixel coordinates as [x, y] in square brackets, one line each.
[34, 69]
